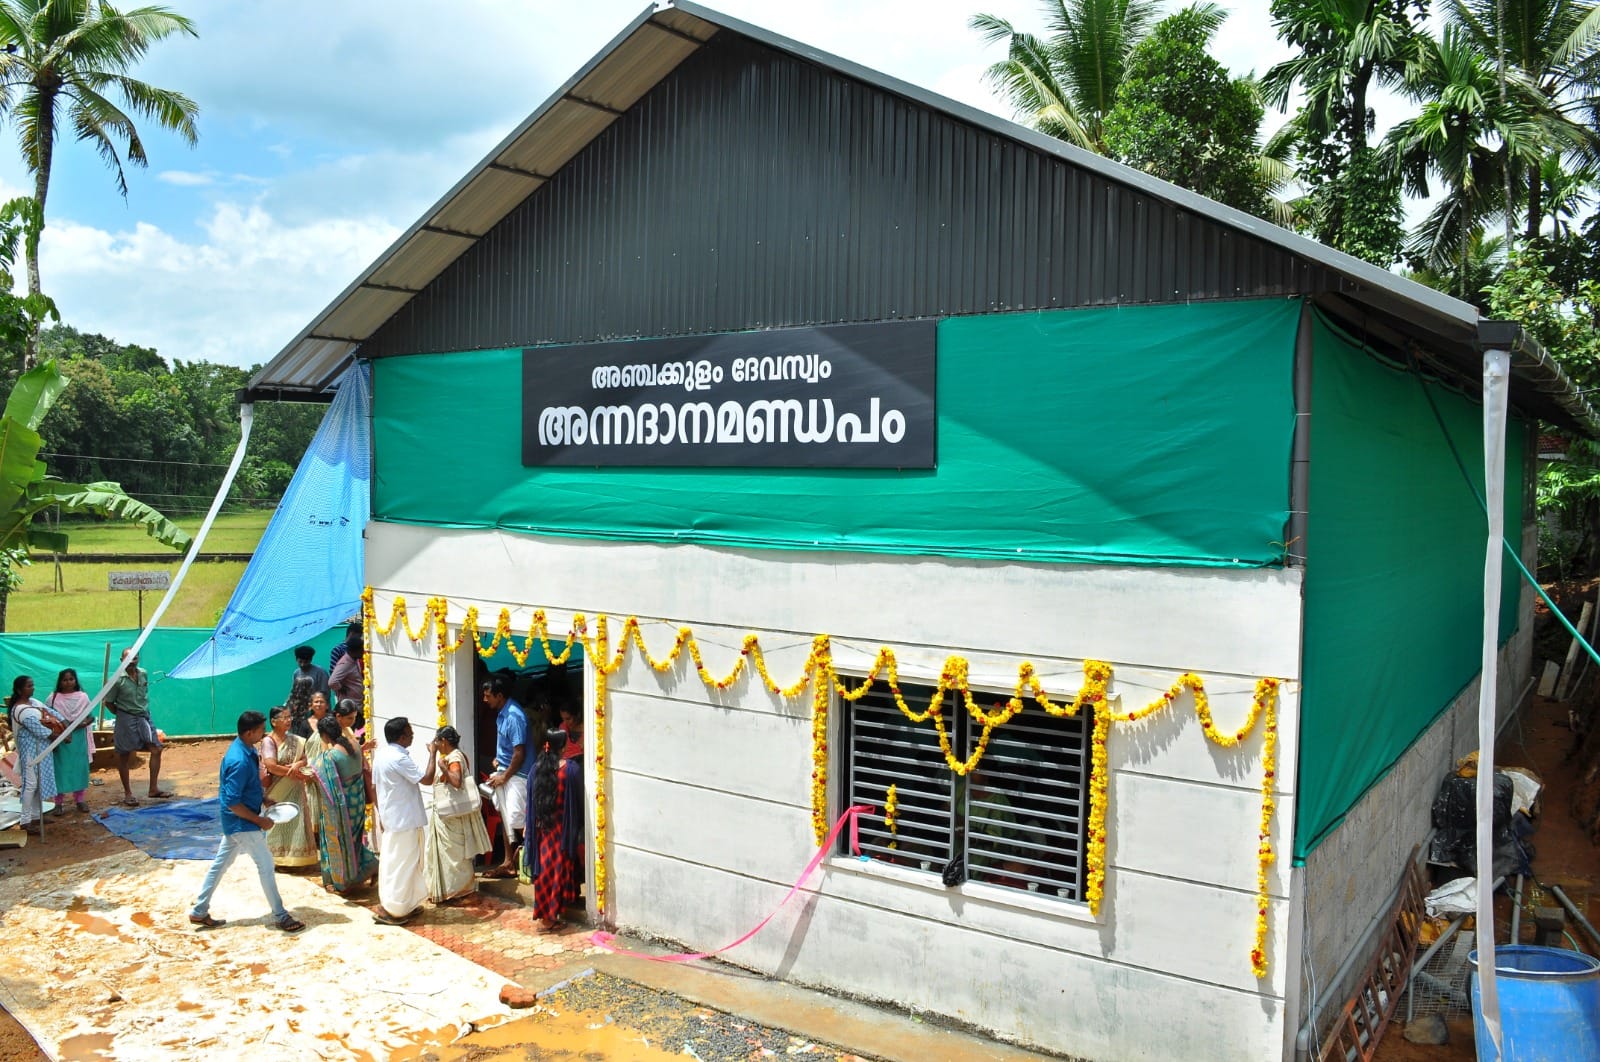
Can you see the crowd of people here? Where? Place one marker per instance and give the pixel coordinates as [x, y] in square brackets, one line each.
[37, 724]
[303, 785]
[317, 776]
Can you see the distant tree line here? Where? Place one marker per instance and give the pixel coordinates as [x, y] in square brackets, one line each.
[166, 432]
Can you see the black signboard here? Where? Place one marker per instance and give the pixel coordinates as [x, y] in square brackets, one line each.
[842, 396]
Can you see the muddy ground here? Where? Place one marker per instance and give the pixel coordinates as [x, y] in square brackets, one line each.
[187, 768]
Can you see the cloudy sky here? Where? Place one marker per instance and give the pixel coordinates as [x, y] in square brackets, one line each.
[327, 128]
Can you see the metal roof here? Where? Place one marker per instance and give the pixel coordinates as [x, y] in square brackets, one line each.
[649, 49]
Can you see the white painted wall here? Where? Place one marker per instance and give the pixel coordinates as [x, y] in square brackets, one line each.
[709, 793]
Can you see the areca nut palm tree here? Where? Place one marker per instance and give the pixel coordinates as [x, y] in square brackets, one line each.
[1343, 48]
[1065, 82]
[68, 61]
[1554, 46]
[1465, 134]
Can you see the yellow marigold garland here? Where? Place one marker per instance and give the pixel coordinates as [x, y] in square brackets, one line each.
[1266, 700]
[891, 811]
[368, 624]
[819, 672]
[602, 675]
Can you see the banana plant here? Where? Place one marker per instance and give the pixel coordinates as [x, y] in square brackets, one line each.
[27, 489]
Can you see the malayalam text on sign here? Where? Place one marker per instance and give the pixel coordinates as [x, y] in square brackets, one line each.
[841, 396]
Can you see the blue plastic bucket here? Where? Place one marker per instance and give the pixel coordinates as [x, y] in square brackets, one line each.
[1549, 1005]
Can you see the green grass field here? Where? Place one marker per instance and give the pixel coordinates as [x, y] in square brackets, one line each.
[86, 604]
[231, 533]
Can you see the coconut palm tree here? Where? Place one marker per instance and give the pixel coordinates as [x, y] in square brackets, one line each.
[1065, 82]
[69, 59]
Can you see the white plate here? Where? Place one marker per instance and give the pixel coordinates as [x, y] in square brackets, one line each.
[281, 813]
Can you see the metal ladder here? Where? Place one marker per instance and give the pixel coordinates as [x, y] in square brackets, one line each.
[1361, 1024]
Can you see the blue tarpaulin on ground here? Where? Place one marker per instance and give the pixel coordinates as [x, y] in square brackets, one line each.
[306, 574]
[171, 829]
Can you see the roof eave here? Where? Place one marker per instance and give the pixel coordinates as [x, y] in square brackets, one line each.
[1530, 361]
[258, 381]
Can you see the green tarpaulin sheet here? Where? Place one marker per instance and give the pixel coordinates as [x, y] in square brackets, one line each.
[180, 707]
[1143, 435]
[1394, 591]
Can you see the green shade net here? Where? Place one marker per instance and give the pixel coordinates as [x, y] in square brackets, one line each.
[1148, 435]
[1394, 591]
[180, 707]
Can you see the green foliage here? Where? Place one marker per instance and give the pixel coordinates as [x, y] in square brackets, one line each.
[1550, 47]
[1180, 116]
[1470, 275]
[20, 315]
[1562, 319]
[26, 490]
[1064, 84]
[1359, 209]
[166, 433]
[1566, 322]
[1343, 48]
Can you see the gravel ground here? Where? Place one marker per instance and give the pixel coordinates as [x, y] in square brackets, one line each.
[670, 1025]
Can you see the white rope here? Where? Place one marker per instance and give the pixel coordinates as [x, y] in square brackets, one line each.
[246, 418]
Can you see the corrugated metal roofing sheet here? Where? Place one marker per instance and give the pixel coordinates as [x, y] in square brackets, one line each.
[754, 189]
[1214, 250]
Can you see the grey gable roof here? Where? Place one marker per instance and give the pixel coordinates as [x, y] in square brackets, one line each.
[653, 45]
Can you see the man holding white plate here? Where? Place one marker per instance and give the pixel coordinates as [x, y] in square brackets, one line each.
[239, 797]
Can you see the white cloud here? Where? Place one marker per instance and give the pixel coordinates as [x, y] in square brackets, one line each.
[236, 295]
[186, 178]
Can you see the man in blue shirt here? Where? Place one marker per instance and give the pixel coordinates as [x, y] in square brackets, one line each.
[512, 767]
[239, 796]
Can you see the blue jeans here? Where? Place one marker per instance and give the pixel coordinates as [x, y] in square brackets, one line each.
[252, 843]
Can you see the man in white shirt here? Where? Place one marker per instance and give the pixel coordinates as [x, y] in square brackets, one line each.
[401, 884]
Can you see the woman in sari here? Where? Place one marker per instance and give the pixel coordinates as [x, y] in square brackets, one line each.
[313, 749]
[346, 862]
[71, 758]
[283, 760]
[456, 835]
[553, 855]
[34, 728]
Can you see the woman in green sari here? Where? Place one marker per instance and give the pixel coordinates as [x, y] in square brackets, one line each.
[313, 749]
[346, 862]
[283, 761]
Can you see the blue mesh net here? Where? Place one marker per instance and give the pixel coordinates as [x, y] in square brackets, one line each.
[306, 575]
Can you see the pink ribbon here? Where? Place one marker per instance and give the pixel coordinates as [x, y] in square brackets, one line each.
[851, 815]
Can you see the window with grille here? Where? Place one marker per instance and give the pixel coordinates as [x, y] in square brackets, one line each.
[1016, 822]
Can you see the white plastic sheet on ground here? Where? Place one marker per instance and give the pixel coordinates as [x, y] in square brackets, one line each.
[1457, 896]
